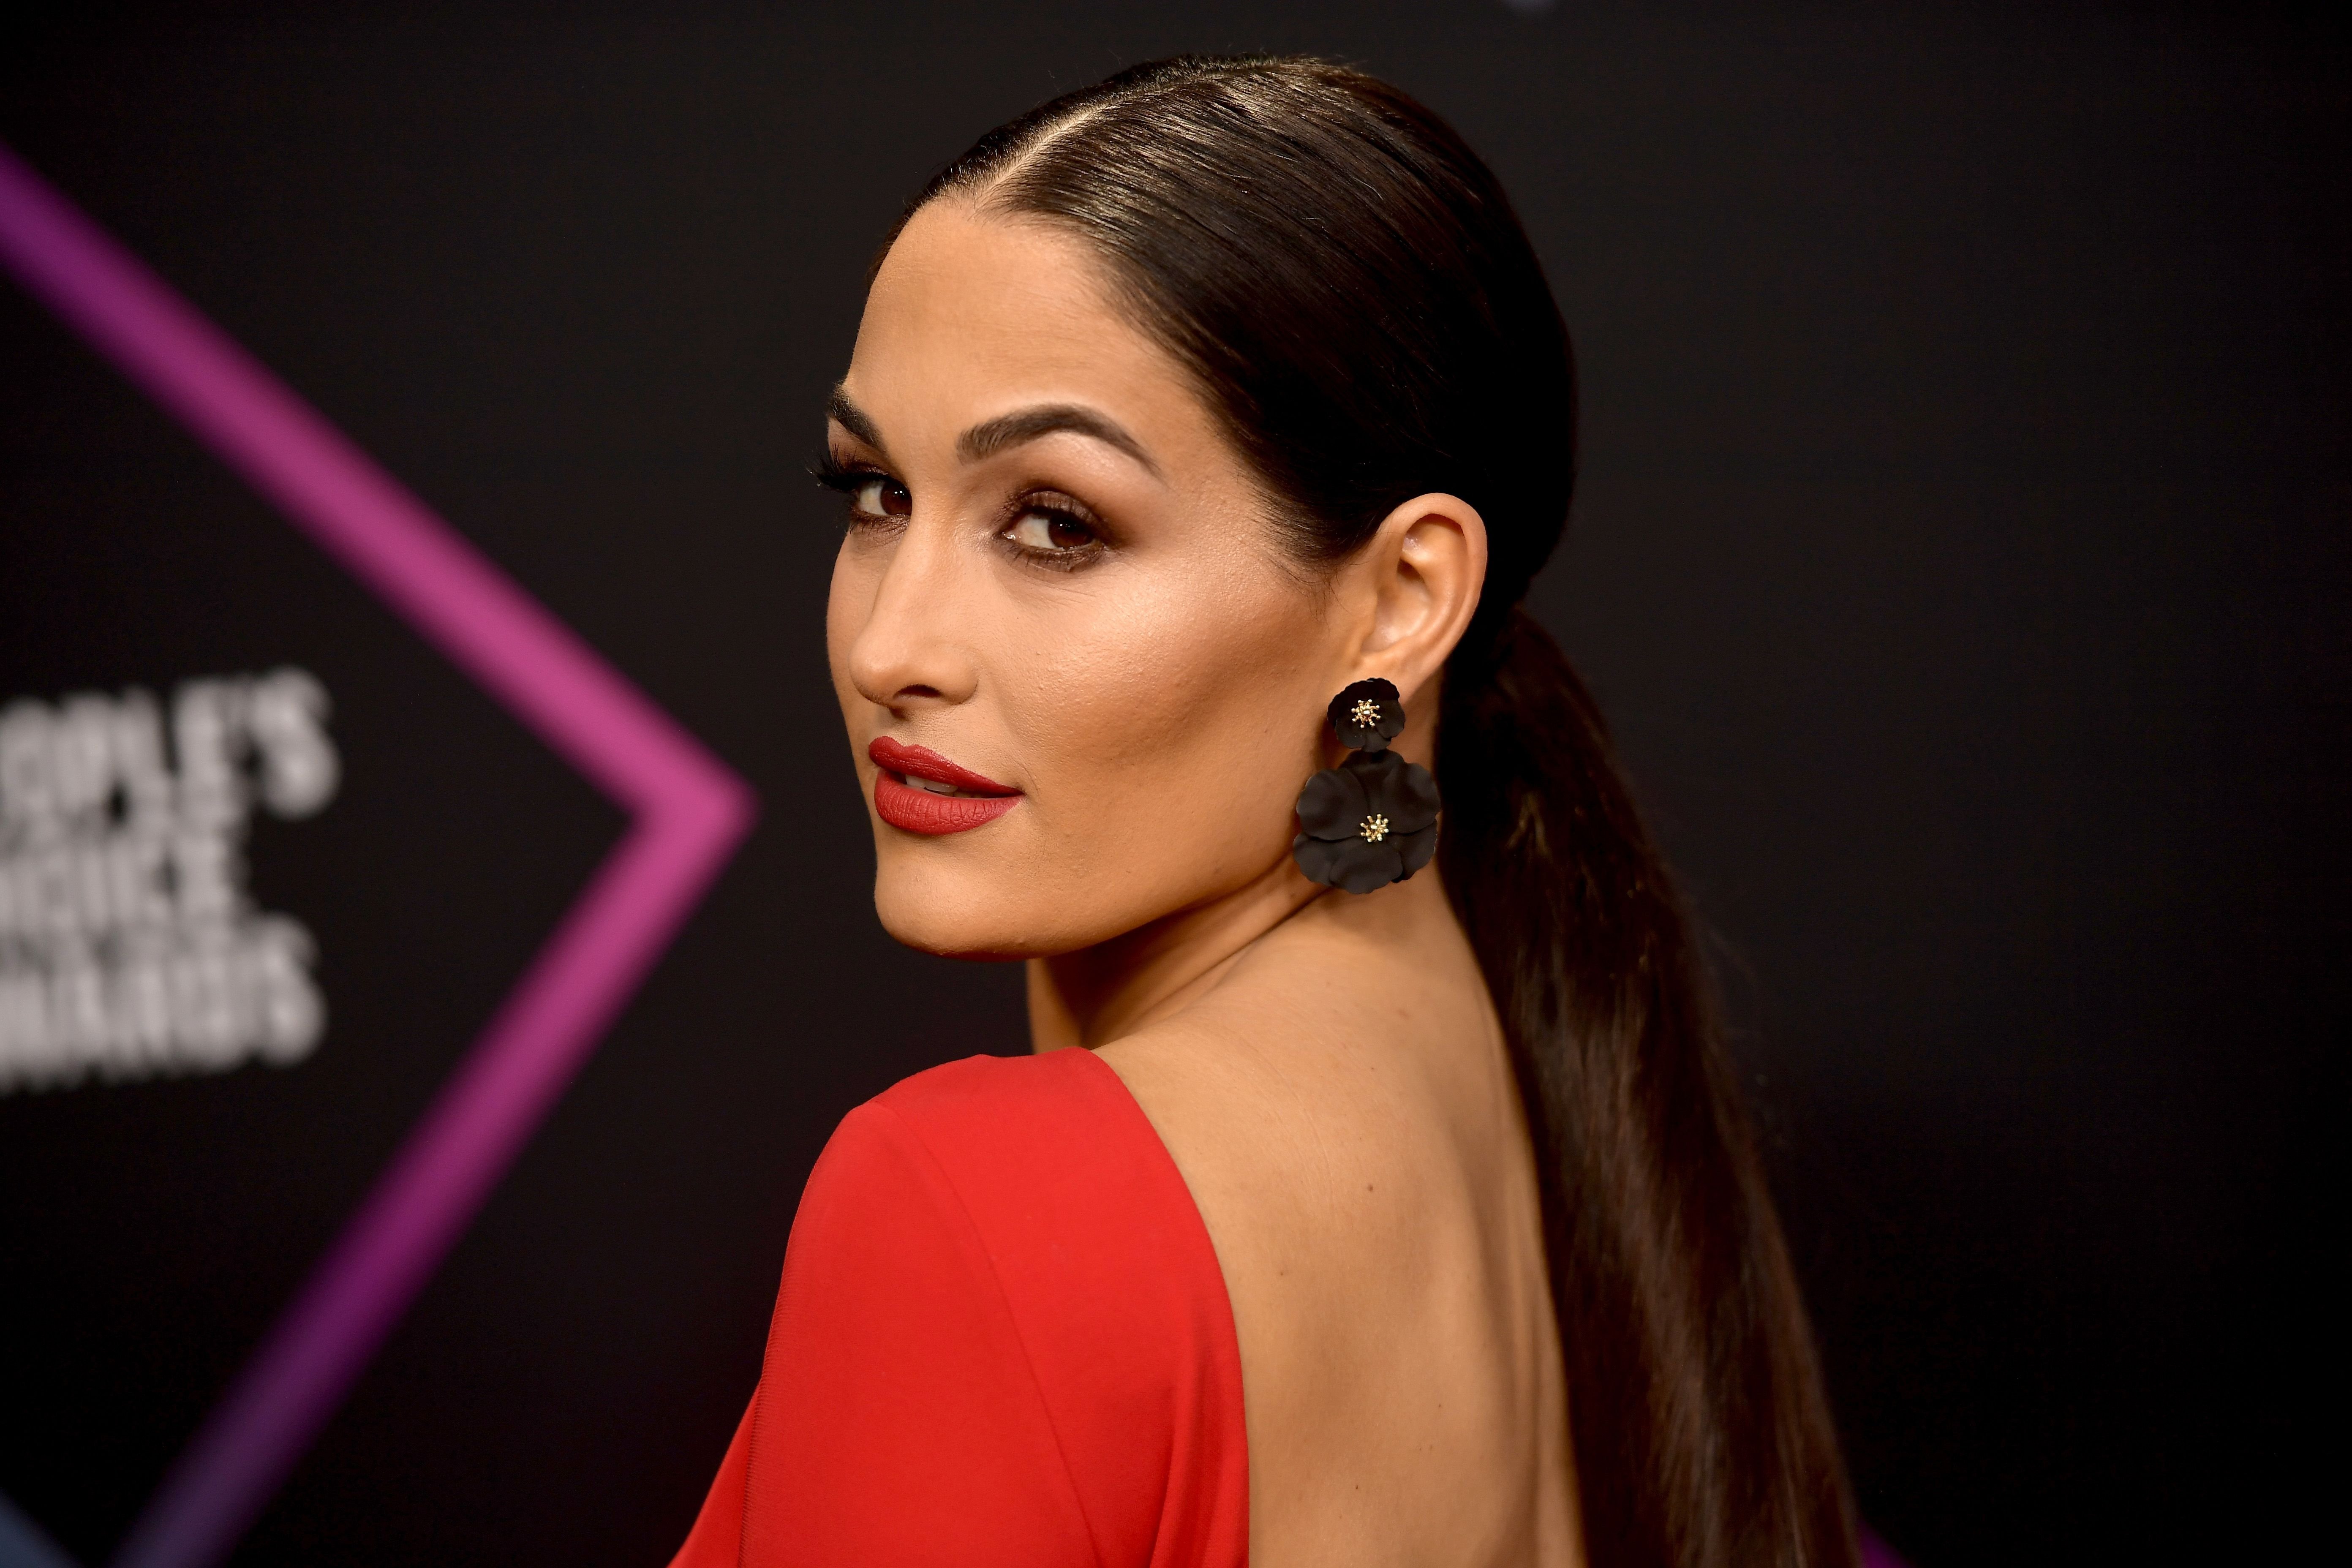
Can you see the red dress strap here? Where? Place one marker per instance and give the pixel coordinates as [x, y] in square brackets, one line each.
[1002, 1338]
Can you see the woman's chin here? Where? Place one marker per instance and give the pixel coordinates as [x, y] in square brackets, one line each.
[952, 914]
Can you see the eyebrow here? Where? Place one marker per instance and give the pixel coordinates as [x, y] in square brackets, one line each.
[852, 418]
[991, 437]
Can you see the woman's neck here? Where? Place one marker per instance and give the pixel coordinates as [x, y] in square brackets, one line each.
[1097, 994]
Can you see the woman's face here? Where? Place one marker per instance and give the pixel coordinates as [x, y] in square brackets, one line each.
[1059, 599]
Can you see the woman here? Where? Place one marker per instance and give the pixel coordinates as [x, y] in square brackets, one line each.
[1353, 1210]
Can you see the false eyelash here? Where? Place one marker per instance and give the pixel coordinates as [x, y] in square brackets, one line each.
[1076, 560]
[835, 475]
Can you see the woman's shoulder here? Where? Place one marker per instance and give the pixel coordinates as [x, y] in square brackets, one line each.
[975, 1106]
[1059, 1193]
[1050, 1145]
[1014, 1224]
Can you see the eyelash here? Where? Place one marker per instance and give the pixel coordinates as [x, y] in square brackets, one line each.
[1053, 506]
[848, 479]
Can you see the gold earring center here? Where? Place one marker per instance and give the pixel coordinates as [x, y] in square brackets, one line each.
[1375, 829]
[1365, 713]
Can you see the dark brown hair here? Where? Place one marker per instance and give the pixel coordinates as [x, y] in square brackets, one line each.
[1357, 301]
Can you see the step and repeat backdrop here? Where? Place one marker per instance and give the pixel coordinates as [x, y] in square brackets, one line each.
[435, 939]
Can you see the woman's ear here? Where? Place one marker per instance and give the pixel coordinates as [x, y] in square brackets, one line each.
[1413, 589]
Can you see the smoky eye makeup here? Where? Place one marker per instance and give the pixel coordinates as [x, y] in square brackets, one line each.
[874, 497]
[1053, 530]
[1040, 526]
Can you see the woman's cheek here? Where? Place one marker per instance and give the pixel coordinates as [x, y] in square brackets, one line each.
[1088, 694]
[1192, 704]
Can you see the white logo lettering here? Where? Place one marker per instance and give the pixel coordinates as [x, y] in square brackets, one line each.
[128, 946]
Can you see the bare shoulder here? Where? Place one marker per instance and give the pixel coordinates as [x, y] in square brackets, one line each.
[1340, 1070]
[1295, 1093]
[1347, 1127]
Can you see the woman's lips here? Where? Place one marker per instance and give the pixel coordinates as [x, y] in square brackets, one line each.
[902, 801]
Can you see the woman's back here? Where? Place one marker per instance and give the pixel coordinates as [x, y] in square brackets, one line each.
[1341, 1106]
[1178, 406]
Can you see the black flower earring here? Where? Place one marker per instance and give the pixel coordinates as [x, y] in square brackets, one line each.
[1372, 820]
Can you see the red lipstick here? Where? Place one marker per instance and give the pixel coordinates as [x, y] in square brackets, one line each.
[901, 799]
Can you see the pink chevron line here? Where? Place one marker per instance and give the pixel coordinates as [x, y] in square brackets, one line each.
[690, 812]
[1876, 1553]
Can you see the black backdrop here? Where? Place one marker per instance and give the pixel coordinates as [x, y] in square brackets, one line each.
[1961, 559]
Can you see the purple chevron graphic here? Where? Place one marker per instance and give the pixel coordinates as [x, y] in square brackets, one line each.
[688, 810]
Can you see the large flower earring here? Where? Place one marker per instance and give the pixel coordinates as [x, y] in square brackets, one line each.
[1372, 820]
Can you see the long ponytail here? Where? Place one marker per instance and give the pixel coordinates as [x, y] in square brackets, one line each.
[1359, 304]
[1694, 1404]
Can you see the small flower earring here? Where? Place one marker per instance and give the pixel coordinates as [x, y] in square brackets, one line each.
[1372, 820]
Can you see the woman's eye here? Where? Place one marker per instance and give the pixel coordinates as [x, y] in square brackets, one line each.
[1049, 530]
[879, 496]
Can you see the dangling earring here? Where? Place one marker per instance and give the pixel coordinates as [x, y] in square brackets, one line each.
[1372, 820]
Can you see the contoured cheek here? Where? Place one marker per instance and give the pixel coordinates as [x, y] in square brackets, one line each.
[1167, 746]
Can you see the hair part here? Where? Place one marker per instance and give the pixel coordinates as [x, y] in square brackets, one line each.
[1348, 286]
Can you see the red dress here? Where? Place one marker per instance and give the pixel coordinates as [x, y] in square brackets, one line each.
[1003, 1338]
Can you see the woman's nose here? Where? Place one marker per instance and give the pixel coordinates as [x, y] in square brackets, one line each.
[909, 652]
